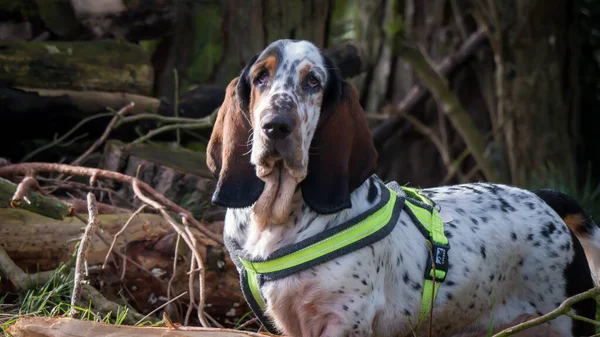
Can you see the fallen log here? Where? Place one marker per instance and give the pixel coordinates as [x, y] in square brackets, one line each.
[69, 327]
[38, 204]
[107, 65]
[33, 240]
[36, 243]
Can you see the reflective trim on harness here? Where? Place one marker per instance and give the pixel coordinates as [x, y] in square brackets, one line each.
[366, 229]
[342, 239]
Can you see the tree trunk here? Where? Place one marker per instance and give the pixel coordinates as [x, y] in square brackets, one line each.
[534, 86]
[97, 65]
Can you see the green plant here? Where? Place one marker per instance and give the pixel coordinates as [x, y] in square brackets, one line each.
[52, 299]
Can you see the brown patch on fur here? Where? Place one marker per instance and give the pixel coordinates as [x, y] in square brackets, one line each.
[303, 72]
[230, 128]
[270, 64]
[575, 222]
[227, 154]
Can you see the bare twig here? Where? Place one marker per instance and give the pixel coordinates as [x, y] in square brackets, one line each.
[191, 287]
[563, 309]
[22, 191]
[111, 125]
[112, 245]
[451, 106]
[73, 185]
[157, 118]
[416, 95]
[200, 124]
[84, 246]
[190, 241]
[160, 307]
[429, 133]
[201, 297]
[23, 168]
[245, 324]
[175, 257]
[127, 258]
[65, 136]
[583, 319]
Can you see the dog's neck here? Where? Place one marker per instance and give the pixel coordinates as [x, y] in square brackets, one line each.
[259, 241]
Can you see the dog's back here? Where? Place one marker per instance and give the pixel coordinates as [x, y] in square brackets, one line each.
[508, 247]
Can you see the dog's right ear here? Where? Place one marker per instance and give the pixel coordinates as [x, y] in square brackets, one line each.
[228, 151]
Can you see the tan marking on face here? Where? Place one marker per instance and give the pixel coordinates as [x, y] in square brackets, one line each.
[574, 221]
[269, 64]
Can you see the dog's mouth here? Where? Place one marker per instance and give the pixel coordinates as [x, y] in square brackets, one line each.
[277, 156]
[275, 203]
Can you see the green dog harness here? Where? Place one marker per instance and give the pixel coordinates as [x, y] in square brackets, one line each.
[359, 232]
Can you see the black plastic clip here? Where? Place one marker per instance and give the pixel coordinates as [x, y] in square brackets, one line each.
[440, 254]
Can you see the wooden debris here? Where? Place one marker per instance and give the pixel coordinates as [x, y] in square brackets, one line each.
[39, 204]
[106, 65]
[55, 240]
[68, 327]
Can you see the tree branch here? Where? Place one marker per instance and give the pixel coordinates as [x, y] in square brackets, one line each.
[451, 106]
[418, 93]
[39, 204]
[563, 309]
[23, 168]
[111, 125]
[84, 245]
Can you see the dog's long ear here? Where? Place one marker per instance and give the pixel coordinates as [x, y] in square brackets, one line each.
[228, 152]
[342, 155]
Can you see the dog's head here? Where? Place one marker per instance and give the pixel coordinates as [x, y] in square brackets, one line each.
[289, 121]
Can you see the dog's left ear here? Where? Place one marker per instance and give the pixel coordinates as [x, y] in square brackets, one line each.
[342, 153]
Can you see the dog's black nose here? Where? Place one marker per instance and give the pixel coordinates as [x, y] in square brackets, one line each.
[278, 126]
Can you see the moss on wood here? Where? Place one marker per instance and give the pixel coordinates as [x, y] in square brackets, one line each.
[96, 65]
[40, 204]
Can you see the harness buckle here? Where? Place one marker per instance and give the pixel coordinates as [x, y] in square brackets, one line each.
[440, 254]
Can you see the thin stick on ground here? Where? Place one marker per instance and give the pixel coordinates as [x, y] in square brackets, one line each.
[191, 287]
[161, 306]
[24, 168]
[201, 299]
[563, 309]
[175, 257]
[112, 245]
[189, 240]
[82, 251]
[245, 324]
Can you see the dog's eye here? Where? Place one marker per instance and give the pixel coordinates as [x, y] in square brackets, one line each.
[262, 77]
[313, 82]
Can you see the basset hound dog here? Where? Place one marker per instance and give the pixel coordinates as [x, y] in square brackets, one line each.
[295, 164]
